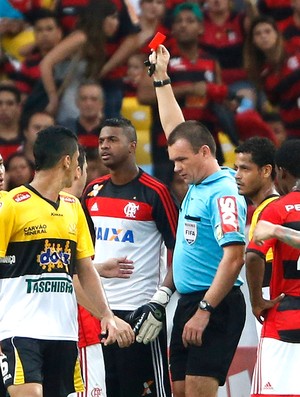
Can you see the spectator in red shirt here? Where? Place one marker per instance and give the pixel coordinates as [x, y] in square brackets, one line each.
[275, 71]
[48, 34]
[278, 9]
[151, 21]
[10, 112]
[223, 36]
[290, 28]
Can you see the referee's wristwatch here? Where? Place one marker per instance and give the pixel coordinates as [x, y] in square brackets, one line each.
[205, 306]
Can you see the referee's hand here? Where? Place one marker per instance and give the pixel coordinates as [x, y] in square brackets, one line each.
[194, 328]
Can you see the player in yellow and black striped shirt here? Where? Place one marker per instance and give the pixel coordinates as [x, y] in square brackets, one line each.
[44, 236]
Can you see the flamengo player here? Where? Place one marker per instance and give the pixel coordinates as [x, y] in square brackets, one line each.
[276, 371]
[132, 214]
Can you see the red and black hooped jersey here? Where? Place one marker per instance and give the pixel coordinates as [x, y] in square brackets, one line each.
[182, 71]
[277, 9]
[291, 33]
[225, 43]
[7, 148]
[284, 320]
[282, 87]
[29, 73]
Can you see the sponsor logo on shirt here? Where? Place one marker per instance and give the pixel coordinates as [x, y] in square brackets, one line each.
[21, 197]
[290, 207]
[55, 257]
[268, 386]
[228, 214]
[94, 207]
[73, 228]
[11, 259]
[35, 229]
[113, 234]
[68, 199]
[47, 284]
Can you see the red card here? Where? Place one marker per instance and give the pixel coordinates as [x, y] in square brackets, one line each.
[158, 39]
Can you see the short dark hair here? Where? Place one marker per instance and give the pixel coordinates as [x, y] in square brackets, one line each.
[270, 117]
[91, 82]
[262, 151]
[26, 119]
[37, 14]
[52, 144]
[288, 157]
[120, 122]
[195, 133]
[81, 157]
[15, 155]
[92, 153]
[4, 87]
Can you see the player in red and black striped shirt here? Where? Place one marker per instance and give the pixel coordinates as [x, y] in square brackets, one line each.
[279, 348]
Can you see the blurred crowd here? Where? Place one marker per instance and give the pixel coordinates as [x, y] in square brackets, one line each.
[235, 66]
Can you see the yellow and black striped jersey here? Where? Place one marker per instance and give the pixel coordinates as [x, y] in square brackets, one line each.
[255, 219]
[40, 243]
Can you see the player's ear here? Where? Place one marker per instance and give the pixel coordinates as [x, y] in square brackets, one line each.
[283, 172]
[66, 161]
[132, 147]
[267, 170]
[77, 173]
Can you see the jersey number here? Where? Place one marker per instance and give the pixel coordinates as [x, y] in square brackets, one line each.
[4, 365]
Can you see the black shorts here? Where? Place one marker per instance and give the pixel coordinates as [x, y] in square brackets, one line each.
[2, 387]
[137, 370]
[54, 364]
[219, 341]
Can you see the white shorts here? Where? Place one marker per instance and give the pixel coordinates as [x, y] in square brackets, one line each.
[93, 370]
[276, 370]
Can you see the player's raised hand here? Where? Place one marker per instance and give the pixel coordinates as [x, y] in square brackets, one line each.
[160, 58]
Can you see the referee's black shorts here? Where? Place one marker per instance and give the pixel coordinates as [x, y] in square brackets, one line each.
[219, 341]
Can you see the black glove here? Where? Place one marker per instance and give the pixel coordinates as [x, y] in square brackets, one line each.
[148, 319]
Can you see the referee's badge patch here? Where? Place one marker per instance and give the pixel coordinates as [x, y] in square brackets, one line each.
[219, 232]
[190, 232]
